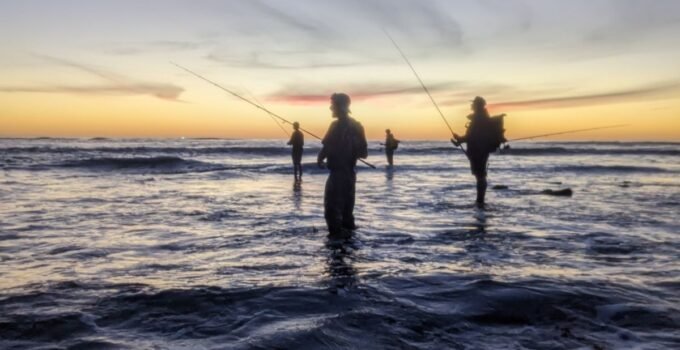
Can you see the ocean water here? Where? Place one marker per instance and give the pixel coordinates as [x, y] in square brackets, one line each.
[209, 244]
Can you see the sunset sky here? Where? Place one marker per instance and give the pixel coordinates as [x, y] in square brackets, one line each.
[102, 68]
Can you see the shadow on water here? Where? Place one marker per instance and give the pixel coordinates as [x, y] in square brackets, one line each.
[339, 267]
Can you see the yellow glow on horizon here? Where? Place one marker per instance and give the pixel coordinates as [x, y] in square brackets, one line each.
[217, 115]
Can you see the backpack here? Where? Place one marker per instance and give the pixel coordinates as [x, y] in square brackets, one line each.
[495, 135]
[487, 133]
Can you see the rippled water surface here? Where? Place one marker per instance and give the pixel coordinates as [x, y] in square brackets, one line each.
[192, 244]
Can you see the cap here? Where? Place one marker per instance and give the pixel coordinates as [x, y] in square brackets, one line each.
[341, 99]
[479, 101]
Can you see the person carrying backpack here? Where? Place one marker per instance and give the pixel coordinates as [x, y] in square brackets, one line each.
[483, 136]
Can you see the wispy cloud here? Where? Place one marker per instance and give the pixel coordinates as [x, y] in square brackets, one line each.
[115, 84]
[420, 20]
[287, 60]
[286, 17]
[104, 74]
[298, 94]
[162, 91]
[646, 92]
[330, 34]
[159, 46]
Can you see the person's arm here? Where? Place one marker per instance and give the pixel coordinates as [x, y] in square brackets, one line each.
[292, 137]
[323, 153]
[321, 157]
[363, 144]
[457, 139]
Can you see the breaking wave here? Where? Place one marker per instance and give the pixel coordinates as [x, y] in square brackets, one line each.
[161, 164]
[424, 312]
[610, 168]
[407, 149]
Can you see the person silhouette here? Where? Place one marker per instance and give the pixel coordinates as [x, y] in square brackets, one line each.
[479, 139]
[297, 140]
[390, 144]
[344, 143]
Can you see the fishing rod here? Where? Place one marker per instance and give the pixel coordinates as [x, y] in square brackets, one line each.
[422, 84]
[569, 132]
[254, 104]
[271, 116]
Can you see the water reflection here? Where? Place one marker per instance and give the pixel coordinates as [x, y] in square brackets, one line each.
[339, 264]
[389, 173]
[297, 195]
[479, 225]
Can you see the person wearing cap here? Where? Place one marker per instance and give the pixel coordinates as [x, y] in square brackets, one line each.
[344, 143]
[297, 140]
[477, 149]
[390, 144]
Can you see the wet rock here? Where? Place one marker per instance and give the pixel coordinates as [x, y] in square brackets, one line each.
[565, 192]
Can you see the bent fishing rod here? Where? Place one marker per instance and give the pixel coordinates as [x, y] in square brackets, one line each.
[422, 84]
[569, 132]
[254, 104]
[270, 116]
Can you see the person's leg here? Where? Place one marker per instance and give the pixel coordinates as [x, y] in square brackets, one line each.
[478, 165]
[390, 157]
[333, 204]
[481, 190]
[299, 164]
[297, 167]
[294, 158]
[349, 191]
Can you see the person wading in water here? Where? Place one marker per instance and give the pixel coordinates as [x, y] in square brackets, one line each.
[344, 143]
[297, 140]
[391, 144]
[484, 135]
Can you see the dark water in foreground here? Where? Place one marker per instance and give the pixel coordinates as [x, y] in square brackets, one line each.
[207, 244]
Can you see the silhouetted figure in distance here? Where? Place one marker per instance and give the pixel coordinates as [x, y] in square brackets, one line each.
[297, 140]
[481, 140]
[343, 144]
[390, 144]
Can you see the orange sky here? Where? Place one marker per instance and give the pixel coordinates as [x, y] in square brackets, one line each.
[74, 70]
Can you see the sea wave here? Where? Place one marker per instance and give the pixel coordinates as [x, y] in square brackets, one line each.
[285, 150]
[547, 151]
[161, 164]
[610, 168]
[167, 164]
[419, 312]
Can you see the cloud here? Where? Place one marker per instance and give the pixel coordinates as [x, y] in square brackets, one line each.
[284, 17]
[82, 67]
[157, 46]
[162, 91]
[652, 91]
[420, 20]
[317, 95]
[286, 60]
[629, 20]
[115, 84]
[334, 34]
